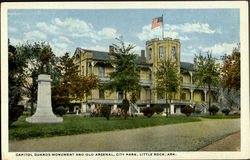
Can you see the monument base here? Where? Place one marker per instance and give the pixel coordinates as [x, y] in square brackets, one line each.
[44, 119]
[44, 113]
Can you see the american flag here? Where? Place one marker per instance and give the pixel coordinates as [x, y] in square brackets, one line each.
[157, 22]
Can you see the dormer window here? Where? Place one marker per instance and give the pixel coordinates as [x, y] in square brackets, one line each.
[150, 53]
[77, 56]
[161, 52]
[174, 52]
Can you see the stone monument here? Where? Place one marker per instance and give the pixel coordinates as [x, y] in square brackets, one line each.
[44, 113]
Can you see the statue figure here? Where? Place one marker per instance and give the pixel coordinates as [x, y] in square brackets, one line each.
[45, 57]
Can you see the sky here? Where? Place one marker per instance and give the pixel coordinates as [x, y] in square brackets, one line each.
[199, 30]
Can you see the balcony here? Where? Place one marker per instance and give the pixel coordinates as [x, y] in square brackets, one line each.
[104, 79]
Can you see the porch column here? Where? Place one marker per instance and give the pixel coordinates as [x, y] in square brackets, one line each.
[205, 93]
[93, 69]
[191, 77]
[83, 107]
[172, 108]
[192, 92]
[92, 107]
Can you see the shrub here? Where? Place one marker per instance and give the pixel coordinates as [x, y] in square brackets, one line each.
[158, 109]
[187, 110]
[60, 110]
[213, 109]
[148, 112]
[105, 111]
[225, 111]
[197, 111]
[15, 112]
[125, 107]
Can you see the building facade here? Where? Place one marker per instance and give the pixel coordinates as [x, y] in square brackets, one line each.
[99, 64]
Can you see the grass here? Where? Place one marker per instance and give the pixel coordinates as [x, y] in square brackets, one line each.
[73, 125]
[221, 116]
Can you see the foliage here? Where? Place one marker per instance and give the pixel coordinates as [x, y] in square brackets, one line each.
[225, 111]
[167, 79]
[73, 125]
[187, 110]
[213, 109]
[14, 113]
[206, 72]
[105, 111]
[71, 85]
[231, 99]
[15, 77]
[134, 97]
[125, 77]
[231, 70]
[125, 107]
[158, 109]
[31, 54]
[60, 110]
[148, 111]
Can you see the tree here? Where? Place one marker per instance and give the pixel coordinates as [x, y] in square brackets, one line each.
[15, 77]
[206, 72]
[125, 78]
[167, 80]
[30, 54]
[231, 70]
[71, 85]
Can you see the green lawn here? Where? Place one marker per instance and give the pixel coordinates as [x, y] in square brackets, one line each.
[221, 116]
[73, 125]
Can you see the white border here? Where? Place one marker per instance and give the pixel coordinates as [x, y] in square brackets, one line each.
[243, 5]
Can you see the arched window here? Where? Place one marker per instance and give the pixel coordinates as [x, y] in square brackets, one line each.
[173, 52]
[150, 53]
[77, 56]
[161, 52]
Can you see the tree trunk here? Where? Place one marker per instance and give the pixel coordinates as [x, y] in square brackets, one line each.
[166, 104]
[209, 101]
[32, 105]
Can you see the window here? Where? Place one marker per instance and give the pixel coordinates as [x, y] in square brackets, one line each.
[183, 96]
[150, 75]
[150, 53]
[138, 94]
[202, 96]
[83, 70]
[160, 96]
[101, 71]
[101, 93]
[173, 52]
[77, 56]
[161, 52]
[120, 95]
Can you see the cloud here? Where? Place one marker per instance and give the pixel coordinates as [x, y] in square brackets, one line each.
[78, 28]
[35, 35]
[148, 33]
[52, 29]
[187, 27]
[74, 25]
[96, 48]
[12, 29]
[220, 48]
[59, 48]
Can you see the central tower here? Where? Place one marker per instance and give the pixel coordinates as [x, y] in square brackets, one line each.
[158, 50]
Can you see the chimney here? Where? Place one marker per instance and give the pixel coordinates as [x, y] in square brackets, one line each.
[111, 49]
[143, 59]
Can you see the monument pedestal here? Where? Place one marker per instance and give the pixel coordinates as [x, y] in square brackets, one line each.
[44, 113]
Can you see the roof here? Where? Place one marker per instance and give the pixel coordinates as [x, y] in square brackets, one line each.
[102, 55]
[187, 66]
[99, 54]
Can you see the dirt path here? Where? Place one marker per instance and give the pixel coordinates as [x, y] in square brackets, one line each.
[230, 143]
[179, 137]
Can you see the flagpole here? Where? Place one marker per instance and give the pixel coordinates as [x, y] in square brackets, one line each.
[162, 28]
